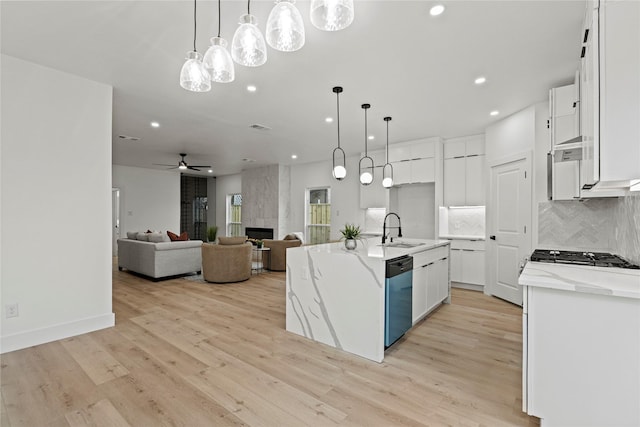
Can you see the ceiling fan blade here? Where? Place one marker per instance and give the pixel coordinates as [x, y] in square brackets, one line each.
[160, 164]
[199, 166]
[192, 168]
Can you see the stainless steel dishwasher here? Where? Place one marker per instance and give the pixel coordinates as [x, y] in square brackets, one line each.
[398, 303]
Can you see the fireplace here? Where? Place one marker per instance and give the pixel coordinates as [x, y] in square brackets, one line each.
[258, 233]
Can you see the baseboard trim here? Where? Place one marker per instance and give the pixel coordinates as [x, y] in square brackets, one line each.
[56, 332]
[479, 288]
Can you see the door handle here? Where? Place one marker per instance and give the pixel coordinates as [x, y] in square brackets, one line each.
[492, 237]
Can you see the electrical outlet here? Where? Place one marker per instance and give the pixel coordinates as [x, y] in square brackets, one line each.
[11, 310]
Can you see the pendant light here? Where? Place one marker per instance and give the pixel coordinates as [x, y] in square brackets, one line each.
[366, 163]
[248, 47]
[339, 167]
[285, 29]
[193, 75]
[387, 169]
[331, 15]
[217, 60]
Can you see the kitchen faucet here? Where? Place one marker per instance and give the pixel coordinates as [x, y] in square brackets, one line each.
[384, 227]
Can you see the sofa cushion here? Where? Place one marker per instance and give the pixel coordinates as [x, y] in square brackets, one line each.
[132, 235]
[144, 237]
[290, 237]
[237, 240]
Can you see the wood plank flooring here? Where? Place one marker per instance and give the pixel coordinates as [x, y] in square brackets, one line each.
[185, 353]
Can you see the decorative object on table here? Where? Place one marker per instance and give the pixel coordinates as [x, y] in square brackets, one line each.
[256, 242]
[212, 232]
[351, 233]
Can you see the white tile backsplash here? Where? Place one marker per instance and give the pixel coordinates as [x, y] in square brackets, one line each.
[373, 219]
[462, 221]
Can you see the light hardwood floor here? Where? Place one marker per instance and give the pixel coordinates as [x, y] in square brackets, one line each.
[185, 353]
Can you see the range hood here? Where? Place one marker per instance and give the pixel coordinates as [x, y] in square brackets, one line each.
[568, 150]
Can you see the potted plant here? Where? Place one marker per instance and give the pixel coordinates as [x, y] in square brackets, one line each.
[212, 233]
[350, 233]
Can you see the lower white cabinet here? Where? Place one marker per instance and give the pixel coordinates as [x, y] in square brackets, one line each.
[430, 281]
[467, 261]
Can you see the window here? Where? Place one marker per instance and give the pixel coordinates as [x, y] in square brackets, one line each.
[234, 215]
[318, 215]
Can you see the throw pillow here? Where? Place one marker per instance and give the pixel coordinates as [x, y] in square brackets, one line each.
[238, 240]
[175, 238]
[132, 235]
[155, 237]
[172, 236]
[183, 236]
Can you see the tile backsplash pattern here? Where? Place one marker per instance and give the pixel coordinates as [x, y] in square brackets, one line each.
[627, 227]
[609, 225]
[373, 219]
[463, 221]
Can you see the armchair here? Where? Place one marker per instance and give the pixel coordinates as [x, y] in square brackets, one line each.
[226, 263]
[278, 254]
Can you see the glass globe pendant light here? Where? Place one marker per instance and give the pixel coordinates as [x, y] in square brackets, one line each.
[387, 169]
[339, 170]
[248, 47]
[217, 60]
[331, 15]
[285, 29]
[366, 163]
[194, 76]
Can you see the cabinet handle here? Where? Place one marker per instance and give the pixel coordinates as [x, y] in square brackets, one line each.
[468, 250]
[583, 52]
[492, 237]
[473, 155]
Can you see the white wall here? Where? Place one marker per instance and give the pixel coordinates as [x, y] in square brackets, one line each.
[513, 135]
[225, 185]
[149, 199]
[55, 204]
[345, 194]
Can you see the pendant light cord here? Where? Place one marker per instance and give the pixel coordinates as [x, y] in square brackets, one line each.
[219, 18]
[194, 26]
[387, 141]
[365, 133]
[338, 108]
[248, 7]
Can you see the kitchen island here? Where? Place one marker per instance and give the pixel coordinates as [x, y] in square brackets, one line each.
[581, 344]
[337, 296]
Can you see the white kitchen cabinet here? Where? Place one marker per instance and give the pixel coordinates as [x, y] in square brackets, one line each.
[414, 162]
[464, 163]
[401, 172]
[423, 170]
[430, 281]
[468, 262]
[611, 95]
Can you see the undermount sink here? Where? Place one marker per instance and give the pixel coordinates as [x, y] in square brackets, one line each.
[401, 245]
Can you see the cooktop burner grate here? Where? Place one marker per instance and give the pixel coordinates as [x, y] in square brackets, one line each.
[594, 259]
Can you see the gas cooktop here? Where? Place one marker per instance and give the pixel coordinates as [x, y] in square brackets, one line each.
[594, 259]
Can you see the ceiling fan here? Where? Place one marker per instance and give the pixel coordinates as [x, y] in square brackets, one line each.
[183, 165]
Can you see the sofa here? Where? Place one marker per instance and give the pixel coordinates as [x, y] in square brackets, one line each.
[228, 261]
[277, 258]
[160, 259]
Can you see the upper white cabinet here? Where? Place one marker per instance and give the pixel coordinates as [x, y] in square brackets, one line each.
[464, 162]
[610, 102]
[414, 162]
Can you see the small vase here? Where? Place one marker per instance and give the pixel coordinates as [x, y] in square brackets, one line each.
[350, 244]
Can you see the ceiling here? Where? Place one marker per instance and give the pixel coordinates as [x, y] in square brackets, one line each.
[407, 64]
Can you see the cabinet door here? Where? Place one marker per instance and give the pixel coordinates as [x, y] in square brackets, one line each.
[442, 269]
[455, 182]
[473, 267]
[475, 146]
[456, 265]
[401, 172]
[566, 176]
[474, 181]
[423, 170]
[422, 150]
[454, 149]
[398, 153]
[419, 293]
[437, 282]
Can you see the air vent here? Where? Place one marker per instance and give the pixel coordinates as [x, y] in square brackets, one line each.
[259, 126]
[129, 138]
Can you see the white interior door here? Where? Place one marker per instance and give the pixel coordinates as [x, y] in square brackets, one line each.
[510, 226]
[115, 220]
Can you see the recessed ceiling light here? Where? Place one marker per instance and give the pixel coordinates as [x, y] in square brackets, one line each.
[294, 156]
[436, 10]
[210, 171]
[252, 88]
[329, 120]
[480, 80]
[155, 124]
[494, 113]
[371, 137]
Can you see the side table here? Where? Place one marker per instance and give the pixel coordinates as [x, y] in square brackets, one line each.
[258, 264]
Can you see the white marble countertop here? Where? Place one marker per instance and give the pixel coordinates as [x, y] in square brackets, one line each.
[372, 248]
[621, 282]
